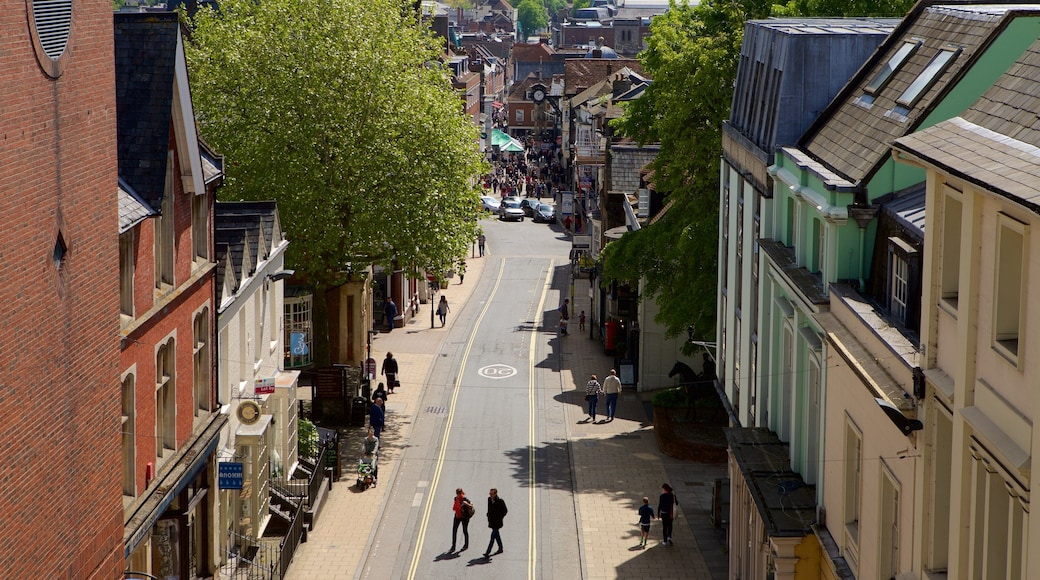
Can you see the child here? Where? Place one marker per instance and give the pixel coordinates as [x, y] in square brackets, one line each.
[581, 320]
[646, 513]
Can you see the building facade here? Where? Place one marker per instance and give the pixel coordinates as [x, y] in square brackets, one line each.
[171, 415]
[978, 330]
[60, 402]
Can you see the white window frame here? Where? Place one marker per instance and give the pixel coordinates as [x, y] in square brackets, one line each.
[853, 490]
[201, 373]
[200, 229]
[298, 311]
[128, 397]
[165, 398]
[1009, 291]
[888, 528]
[950, 250]
[126, 275]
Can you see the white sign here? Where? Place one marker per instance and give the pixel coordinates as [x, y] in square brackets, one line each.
[581, 242]
[263, 386]
[497, 371]
[568, 203]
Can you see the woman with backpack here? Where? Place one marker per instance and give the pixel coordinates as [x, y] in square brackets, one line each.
[464, 511]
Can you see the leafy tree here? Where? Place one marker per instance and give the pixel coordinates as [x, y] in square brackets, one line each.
[531, 16]
[692, 55]
[579, 4]
[554, 6]
[340, 111]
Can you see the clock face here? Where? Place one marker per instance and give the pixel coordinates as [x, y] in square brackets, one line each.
[538, 94]
[248, 412]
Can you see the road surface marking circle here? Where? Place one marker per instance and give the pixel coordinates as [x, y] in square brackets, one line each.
[496, 371]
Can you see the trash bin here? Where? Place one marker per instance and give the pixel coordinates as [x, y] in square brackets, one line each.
[358, 410]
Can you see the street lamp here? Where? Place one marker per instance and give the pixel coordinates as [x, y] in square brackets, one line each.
[433, 294]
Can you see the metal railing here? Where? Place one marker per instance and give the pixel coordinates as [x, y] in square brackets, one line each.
[292, 540]
[251, 559]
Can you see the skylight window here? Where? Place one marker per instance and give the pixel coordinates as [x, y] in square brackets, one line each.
[881, 78]
[928, 77]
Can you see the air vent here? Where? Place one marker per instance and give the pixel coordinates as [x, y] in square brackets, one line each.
[53, 20]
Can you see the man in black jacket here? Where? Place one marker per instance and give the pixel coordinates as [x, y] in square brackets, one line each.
[496, 512]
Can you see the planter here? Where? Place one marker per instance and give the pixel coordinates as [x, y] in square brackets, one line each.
[681, 437]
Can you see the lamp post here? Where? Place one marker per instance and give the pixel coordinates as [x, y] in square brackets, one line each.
[433, 294]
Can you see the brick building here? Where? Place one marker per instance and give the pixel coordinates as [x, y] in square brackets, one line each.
[59, 401]
[171, 417]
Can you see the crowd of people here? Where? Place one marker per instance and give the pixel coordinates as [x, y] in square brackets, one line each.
[536, 172]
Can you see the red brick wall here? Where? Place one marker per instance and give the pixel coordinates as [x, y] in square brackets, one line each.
[59, 380]
[176, 319]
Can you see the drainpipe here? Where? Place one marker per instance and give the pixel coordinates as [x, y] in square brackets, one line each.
[863, 214]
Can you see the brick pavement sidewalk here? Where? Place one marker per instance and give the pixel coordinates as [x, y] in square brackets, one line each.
[616, 464]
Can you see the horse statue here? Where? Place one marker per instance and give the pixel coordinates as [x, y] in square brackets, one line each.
[697, 386]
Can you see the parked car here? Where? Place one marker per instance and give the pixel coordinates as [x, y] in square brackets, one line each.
[530, 206]
[489, 204]
[515, 198]
[545, 214]
[510, 210]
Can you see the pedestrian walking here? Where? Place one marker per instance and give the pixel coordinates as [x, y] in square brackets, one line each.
[611, 388]
[496, 513]
[380, 393]
[390, 309]
[581, 320]
[481, 241]
[377, 417]
[666, 507]
[646, 514]
[443, 310]
[592, 392]
[464, 510]
[565, 315]
[389, 369]
[462, 271]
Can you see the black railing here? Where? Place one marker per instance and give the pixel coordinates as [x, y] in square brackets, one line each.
[291, 541]
[250, 559]
[316, 477]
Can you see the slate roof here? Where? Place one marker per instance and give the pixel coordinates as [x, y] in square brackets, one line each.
[780, 57]
[852, 136]
[581, 73]
[145, 51]
[132, 209]
[239, 227]
[995, 144]
[907, 208]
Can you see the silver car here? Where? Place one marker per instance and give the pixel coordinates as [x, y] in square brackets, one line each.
[510, 210]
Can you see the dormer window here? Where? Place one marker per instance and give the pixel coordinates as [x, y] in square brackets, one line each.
[880, 80]
[885, 74]
[940, 62]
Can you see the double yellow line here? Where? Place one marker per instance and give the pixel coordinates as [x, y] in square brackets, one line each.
[532, 551]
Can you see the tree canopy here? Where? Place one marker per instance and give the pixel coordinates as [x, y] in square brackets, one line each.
[340, 111]
[692, 55]
[532, 17]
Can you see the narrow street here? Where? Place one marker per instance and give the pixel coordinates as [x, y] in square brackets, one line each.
[494, 399]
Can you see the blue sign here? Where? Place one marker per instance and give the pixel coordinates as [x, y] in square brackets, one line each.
[229, 475]
[298, 343]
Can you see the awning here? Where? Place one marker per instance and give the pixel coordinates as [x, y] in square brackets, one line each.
[497, 104]
[504, 142]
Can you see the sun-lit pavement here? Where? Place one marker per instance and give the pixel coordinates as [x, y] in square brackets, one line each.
[616, 464]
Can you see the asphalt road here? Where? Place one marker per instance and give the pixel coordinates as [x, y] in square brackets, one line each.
[490, 417]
